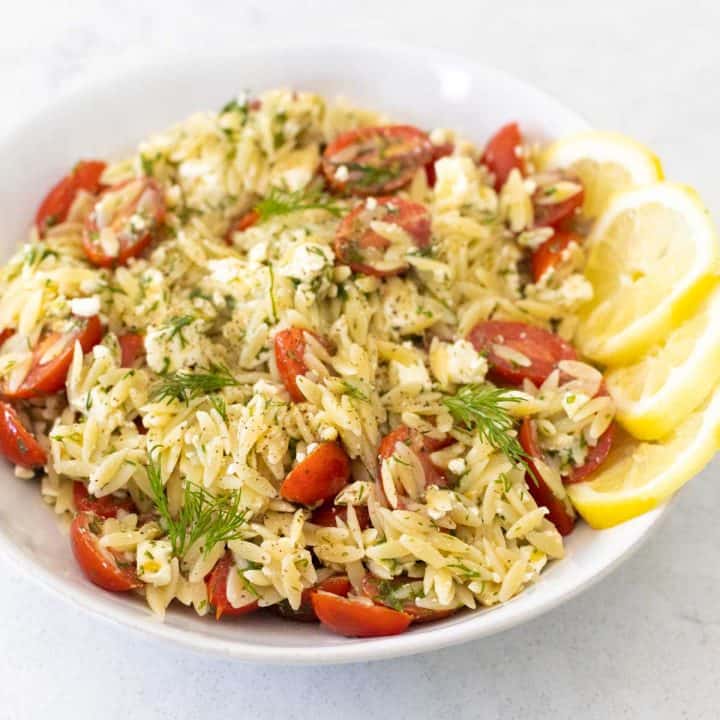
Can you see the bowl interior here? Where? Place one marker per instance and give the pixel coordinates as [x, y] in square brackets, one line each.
[108, 117]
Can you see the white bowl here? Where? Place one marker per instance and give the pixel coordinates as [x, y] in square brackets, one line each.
[108, 117]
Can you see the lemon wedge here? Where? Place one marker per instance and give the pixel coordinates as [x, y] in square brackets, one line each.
[638, 476]
[606, 162]
[660, 390]
[652, 256]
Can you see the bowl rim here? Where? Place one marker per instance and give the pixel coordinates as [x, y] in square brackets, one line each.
[95, 602]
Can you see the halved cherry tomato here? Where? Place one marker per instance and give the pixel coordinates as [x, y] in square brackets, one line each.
[99, 565]
[422, 446]
[550, 253]
[375, 160]
[242, 223]
[502, 153]
[105, 507]
[128, 216]
[55, 207]
[337, 585]
[325, 515]
[439, 151]
[47, 375]
[359, 246]
[595, 457]
[320, 476]
[216, 583]
[555, 214]
[356, 619]
[132, 346]
[17, 444]
[543, 350]
[373, 587]
[558, 513]
[6, 334]
[289, 347]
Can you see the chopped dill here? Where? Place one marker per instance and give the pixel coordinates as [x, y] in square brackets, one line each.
[184, 385]
[353, 391]
[283, 202]
[176, 325]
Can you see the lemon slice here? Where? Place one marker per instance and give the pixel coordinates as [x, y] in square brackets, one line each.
[658, 392]
[651, 259]
[638, 476]
[606, 162]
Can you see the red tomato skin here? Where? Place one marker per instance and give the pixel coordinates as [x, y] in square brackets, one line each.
[57, 203]
[371, 588]
[422, 446]
[337, 585]
[99, 567]
[595, 457]
[6, 334]
[501, 156]
[132, 346]
[549, 254]
[326, 514]
[241, 223]
[17, 444]
[354, 234]
[354, 619]
[557, 214]
[439, 151]
[541, 492]
[104, 507]
[48, 378]
[418, 153]
[216, 583]
[289, 348]
[94, 252]
[320, 476]
[543, 348]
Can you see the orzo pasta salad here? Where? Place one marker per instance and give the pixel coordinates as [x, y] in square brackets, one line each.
[292, 357]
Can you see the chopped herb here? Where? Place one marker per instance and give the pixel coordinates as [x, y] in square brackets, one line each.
[370, 175]
[213, 518]
[282, 202]
[185, 385]
[353, 391]
[176, 325]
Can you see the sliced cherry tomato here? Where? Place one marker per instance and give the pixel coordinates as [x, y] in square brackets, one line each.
[379, 591]
[242, 223]
[55, 207]
[52, 357]
[325, 515]
[543, 350]
[124, 221]
[17, 444]
[320, 476]
[337, 585]
[375, 160]
[365, 251]
[356, 619]
[550, 253]
[558, 513]
[502, 153]
[105, 507]
[99, 565]
[439, 151]
[422, 446]
[555, 214]
[289, 347]
[5, 334]
[595, 457]
[216, 583]
[132, 346]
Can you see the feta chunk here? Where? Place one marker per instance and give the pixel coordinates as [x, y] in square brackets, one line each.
[414, 374]
[153, 562]
[85, 307]
[307, 261]
[457, 362]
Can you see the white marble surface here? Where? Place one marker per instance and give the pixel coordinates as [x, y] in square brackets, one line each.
[645, 643]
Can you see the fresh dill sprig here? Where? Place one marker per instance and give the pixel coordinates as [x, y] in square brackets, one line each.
[185, 385]
[370, 175]
[176, 325]
[482, 408]
[283, 202]
[202, 516]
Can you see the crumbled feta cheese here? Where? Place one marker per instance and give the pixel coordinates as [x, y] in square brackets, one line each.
[342, 173]
[414, 374]
[85, 307]
[371, 203]
[457, 466]
[307, 261]
[153, 562]
[457, 362]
